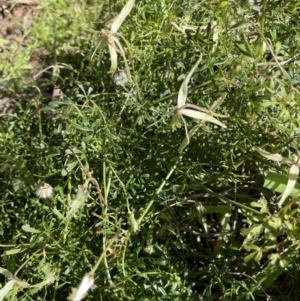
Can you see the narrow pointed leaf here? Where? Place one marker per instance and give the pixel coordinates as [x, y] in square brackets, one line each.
[218, 102]
[113, 59]
[48, 280]
[124, 57]
[186, 140]
[122, 16]
[6, 288]
[274, 157]
[22, 283]
[215, 37]
[6, 273]
[12, 251]
[293, 175]
[202, 116]
[29, 229]
[277, 182]
[183, 91]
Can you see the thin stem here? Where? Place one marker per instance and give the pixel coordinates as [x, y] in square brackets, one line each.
[122, 185]
[262, 26]
[226, 200]
[102, 256]
[88, 175]
[159, 190]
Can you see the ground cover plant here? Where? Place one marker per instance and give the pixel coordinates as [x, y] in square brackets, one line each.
[149, 150]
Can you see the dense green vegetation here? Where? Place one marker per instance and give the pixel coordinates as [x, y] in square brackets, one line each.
[148, 209]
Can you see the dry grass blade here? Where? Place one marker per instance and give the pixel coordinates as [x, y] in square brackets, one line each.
[84, 286]
[274, 157]
[122, 16]
[293, 175]
[6, 288]
[113, 59]
[201, 116]
[6, 273]
[114, 44]
[186, 140]
[124, 57]
[183, 91]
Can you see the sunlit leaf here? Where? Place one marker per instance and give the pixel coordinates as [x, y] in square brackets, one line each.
[49, 279]
[80, 127]
[6, 273]
[124, 57]
[201, 116]
[293, 175]
[274, 157]
[6, 288]
[258, 255]
[191, 133]
[257, 229]
[22, 283]
[275, 222]
[113, 59]
[69, 168]
[249, 257]
[29, 229]
[183, 91]
[122, 16]
[12, 251]
[277, 182]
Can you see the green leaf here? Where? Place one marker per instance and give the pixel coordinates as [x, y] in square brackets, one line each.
[274, 157]
[12, 251]
[58, 214]
[80, 127]
[256, 230]
[249, 257]
[243, 50]
[258, 255]
[27, 228]
[278, 182]
[240, 23]
[69, 168]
